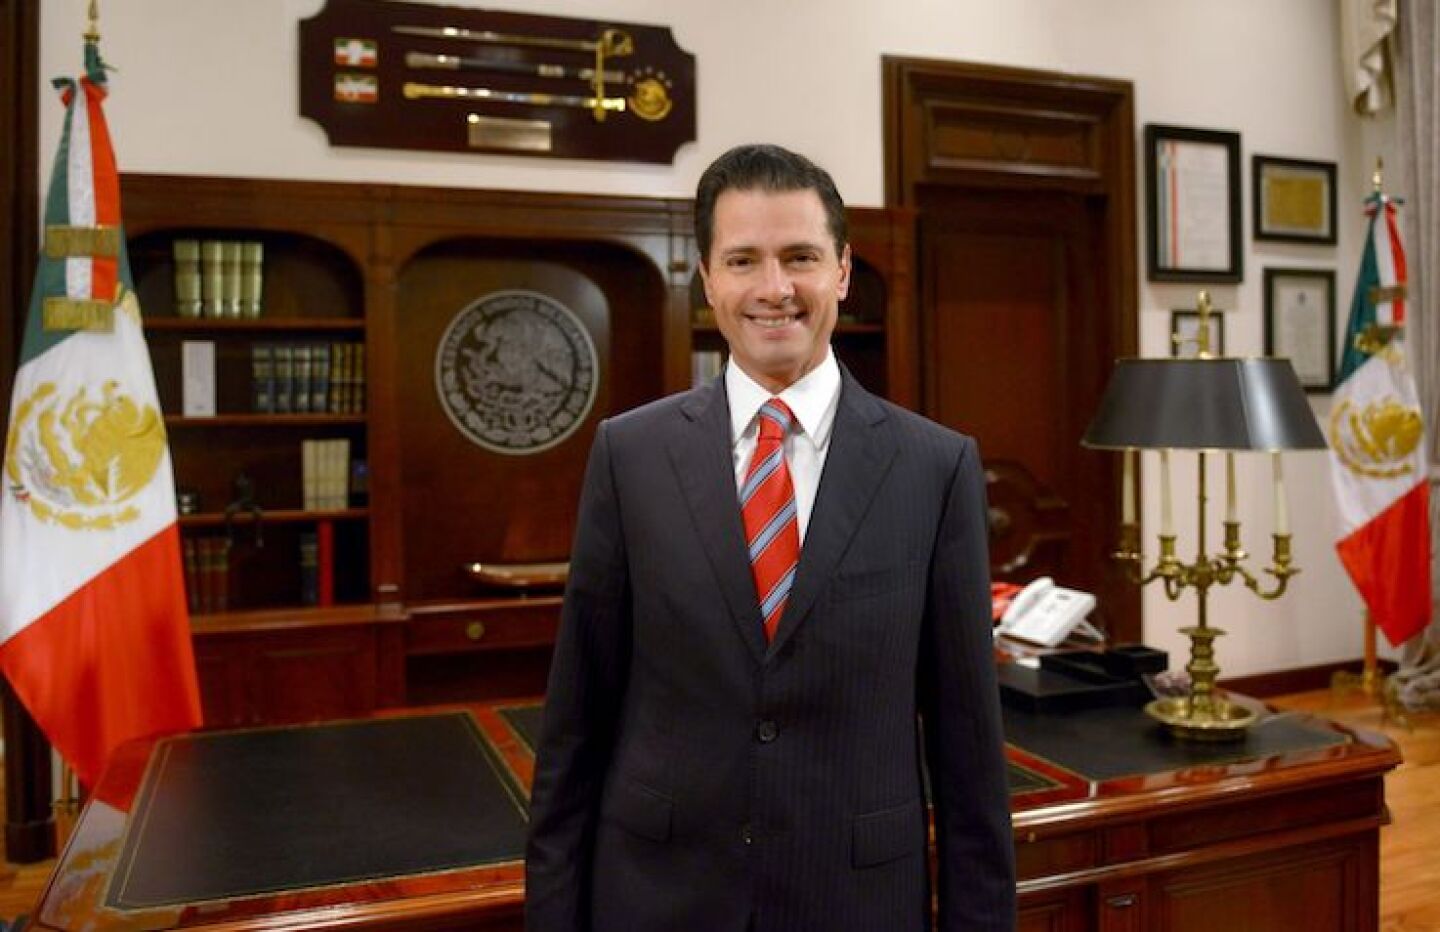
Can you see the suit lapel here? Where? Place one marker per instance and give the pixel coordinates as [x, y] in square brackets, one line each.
[861, 450]
[701, 455]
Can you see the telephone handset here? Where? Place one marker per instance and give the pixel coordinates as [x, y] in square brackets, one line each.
[1044, 613]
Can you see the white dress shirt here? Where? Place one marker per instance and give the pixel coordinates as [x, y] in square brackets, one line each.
[813, 401]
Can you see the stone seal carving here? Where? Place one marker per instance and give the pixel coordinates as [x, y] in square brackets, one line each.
[516, 372]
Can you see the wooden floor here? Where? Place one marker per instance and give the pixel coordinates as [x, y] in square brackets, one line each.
[1409, 847]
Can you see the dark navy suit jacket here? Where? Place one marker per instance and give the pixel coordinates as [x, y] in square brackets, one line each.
[690, 776]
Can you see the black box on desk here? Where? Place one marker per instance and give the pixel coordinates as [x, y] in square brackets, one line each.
[1052, 690]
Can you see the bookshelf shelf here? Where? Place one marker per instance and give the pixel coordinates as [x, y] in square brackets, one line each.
[210, 326]
[211, 519]
[266, 420]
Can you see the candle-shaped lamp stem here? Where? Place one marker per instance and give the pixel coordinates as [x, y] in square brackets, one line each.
[1230, 488]
[1127, 489]
[1167, 518]
[1282, 513]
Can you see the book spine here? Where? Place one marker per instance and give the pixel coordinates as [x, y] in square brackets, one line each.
[190, 550]
[310, 474]
[187, 277]
[222, 574]
[197, 378]
[337, 378]
[340, 473]
[358, 395]
[212, 277]
[262, 373]
[252, 278]
[320, 378]
[284, 378]
[230, 279]
[309, 569]
[300, 391]
[325, 561]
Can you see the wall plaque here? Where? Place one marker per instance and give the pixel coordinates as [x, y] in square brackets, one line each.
[398, 75]
[516, 372]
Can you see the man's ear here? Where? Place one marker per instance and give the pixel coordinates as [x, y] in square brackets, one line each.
[705, 281]
[842, 287]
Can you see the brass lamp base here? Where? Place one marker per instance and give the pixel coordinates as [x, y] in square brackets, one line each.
[1225, 721]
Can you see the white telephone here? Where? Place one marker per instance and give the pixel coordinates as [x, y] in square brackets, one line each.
[1044, 613]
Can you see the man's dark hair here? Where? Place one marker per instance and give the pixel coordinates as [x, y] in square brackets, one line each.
[764, 168]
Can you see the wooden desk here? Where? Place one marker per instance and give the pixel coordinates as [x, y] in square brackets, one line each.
[1285, 838]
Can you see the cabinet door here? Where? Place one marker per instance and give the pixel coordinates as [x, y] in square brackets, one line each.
[1329, 887]
[274, 677]
[1055, 911]
[313, 675]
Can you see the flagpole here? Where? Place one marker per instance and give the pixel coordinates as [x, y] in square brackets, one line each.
[66, 809]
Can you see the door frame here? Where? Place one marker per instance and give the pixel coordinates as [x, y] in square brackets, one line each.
[966, 126]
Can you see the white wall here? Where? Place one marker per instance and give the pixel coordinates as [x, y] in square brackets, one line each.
[209, 87]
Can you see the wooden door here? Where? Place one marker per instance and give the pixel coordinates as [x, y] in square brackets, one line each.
[1023, 183]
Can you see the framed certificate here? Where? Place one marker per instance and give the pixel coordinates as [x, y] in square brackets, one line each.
[1185, 333]
[1300, 323]
[1294, 200]
[1192, 204]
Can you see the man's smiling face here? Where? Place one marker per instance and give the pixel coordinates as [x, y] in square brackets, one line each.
[775, 282]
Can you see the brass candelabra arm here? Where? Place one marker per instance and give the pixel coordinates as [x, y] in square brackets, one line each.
[1280, 569]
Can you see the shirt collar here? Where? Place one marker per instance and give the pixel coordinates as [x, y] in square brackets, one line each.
[812, 399]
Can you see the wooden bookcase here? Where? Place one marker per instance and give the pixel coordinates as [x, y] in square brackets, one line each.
[389, 266]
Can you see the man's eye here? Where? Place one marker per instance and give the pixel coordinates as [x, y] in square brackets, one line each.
[804, 258]
[739, 262]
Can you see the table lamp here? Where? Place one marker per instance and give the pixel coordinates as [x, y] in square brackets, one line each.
[1206, 404]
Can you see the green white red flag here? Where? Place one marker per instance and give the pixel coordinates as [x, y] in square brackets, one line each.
[1377, 443]
[94, 631]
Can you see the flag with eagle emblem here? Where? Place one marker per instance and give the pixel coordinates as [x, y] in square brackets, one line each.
[94, 631]
[1377, 443]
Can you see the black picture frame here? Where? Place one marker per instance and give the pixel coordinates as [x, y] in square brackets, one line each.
[1192, 205]
[1293, 200]
[1184, 323]
[1300, 323]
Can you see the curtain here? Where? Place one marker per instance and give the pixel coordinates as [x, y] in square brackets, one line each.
[1417, 60]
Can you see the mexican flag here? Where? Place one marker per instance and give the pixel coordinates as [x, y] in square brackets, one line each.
[94, 632]
[1377, 443]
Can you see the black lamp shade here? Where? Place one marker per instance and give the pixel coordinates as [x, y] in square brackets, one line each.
[1204, 404]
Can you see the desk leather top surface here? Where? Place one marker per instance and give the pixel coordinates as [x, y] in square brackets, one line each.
[428, 807]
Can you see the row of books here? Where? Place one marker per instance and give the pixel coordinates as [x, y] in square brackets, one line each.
[317, 565]
[207, 573]
[219, 278]
[308, 378]
[705, 365]
[325, 474]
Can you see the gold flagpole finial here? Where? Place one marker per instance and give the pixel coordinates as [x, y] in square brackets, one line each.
[93, 33]
[1376, 183]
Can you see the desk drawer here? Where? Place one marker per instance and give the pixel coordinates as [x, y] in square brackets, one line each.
[506, 626]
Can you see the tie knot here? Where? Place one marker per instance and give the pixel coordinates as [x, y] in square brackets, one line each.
[775, 419]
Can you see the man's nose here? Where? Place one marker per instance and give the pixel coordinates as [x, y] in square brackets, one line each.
[776, 286]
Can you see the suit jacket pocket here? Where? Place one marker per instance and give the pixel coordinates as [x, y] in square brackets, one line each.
[869, 583]
[880, 837]
[637, 809]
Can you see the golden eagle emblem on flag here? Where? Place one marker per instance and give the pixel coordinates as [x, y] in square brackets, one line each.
[74, 460]
[1378, 440]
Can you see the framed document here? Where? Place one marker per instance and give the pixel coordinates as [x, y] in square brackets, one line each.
[1294, 200]
[1192, 204]
[1185, 333]
[1300, 323]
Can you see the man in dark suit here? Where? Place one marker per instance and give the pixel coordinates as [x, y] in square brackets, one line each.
[772, 575]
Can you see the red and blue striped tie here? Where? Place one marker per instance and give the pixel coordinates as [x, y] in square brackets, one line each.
[767, 507]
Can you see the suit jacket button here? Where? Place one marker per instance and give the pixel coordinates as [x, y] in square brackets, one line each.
[746, 835]
[767, 731]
